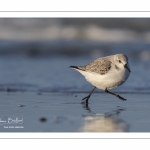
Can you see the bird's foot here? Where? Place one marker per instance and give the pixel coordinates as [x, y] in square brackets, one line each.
[86, 100]
[85, 103]
[123, 99]
[87, 97]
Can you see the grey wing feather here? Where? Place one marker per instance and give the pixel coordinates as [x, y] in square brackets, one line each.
[100, 66]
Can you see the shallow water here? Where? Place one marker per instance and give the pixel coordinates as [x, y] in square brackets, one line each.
[63, 112]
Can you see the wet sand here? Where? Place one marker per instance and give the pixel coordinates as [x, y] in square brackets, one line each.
[63, 112]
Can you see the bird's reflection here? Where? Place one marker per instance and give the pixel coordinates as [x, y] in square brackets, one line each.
[107, 122]
[86, 106]
[117, 111]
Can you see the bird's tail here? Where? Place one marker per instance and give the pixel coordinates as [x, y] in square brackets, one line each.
[83, 68]
[74, 67]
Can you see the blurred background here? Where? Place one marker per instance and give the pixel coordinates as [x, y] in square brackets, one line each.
[35, 53]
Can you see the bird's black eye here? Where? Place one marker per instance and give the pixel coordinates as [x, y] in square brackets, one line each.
[119, 61]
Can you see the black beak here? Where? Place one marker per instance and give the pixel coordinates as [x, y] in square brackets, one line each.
[127, 67]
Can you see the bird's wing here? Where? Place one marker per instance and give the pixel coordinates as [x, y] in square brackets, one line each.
[100, 66]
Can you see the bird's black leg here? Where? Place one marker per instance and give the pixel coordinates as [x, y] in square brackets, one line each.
[115, 95]
[87, 97]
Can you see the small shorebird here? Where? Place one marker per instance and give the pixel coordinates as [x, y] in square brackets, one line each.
[106, 73]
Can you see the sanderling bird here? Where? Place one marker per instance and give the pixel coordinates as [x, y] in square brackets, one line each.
[106, 73]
